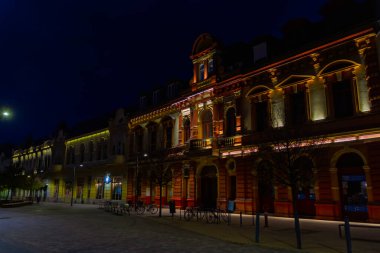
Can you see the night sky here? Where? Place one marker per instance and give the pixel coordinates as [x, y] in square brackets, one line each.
[74, 60]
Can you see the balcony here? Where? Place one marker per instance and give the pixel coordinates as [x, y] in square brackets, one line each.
[200, 144]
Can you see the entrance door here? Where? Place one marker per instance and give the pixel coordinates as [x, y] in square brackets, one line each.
[266, 189]
[209, 187]
[353, 187]
[305, 195]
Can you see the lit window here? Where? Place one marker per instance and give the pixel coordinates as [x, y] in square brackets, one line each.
[201, 72]
[211, 66]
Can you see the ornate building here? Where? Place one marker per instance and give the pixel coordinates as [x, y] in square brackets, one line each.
[201, 144]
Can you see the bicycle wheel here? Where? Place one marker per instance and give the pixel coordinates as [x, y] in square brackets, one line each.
[210, 217]
[153, 209]
[223, 216]
[140, 210]
[188, 215]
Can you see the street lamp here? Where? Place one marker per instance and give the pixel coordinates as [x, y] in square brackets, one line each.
[72, 185]
[5, 113]
[136, 176]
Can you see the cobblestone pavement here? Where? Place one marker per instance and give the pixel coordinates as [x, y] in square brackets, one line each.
[51, 227]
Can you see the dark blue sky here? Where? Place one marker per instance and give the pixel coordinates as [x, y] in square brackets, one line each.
[73, 60]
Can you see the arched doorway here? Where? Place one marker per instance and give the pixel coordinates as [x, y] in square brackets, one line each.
[353, 186]
[265, 187]
[209, 187]
[305, 196]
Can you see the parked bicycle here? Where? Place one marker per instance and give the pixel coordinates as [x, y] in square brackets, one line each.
[152, 208]
[207, 215]
[190, 213]
[137, 207]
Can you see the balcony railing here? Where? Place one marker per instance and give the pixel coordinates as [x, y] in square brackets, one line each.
[197, 144]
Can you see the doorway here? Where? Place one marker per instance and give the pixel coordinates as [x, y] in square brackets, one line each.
[209, 187]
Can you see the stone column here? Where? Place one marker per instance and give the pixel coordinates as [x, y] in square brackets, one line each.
[368, 178]
[195, 67]
[316, 184]
[367, 47]
[317, 99]
[334, 184]
[362, 89]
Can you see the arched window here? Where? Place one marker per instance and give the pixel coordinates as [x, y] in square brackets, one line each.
[230, 122]
[207, 127]
[186, 129]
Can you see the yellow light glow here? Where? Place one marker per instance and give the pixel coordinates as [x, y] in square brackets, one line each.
[345, 139]
[104, 133]
[369, 136]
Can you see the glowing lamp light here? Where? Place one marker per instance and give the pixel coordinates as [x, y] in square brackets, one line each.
[107, 179]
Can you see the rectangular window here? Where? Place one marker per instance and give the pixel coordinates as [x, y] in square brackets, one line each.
[156, 97]
[261, 116]
[342, 96]
[172, 90]
[201, 72]
[143, 103]
[116, 188]
[99, 188]
[153, 140]
[211, 66]
[298, 108]
[168, 143]
[80, 184]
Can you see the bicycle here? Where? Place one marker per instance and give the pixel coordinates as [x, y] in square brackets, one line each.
[190, 213]
[138, 207]
[152, 208]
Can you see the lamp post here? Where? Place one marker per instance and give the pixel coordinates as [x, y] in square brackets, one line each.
[72, 185]
[136, 177]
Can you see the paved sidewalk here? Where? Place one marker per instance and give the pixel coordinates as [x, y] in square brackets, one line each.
[85, 228]
[317, 235]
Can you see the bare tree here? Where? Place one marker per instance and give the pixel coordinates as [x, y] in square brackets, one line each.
[160, 173]
[282, 146]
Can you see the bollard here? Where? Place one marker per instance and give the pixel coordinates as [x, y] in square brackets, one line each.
[241, 218]
[347, 233]
[257, 227]
[266, 219]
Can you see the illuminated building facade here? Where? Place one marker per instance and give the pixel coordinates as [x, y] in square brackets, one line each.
[211, 133]
[33, 165]
[202, 140]
[94, 165]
